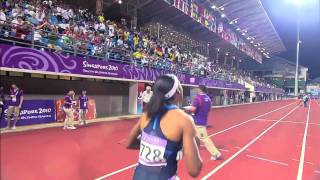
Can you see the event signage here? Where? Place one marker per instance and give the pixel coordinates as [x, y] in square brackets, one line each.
[33, 112]
[32, 60]
[205, 16]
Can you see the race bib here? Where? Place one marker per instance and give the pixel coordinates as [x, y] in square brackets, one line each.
[85, 104]
[152, 150]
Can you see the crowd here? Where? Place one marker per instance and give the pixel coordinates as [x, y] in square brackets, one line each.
[54, 25]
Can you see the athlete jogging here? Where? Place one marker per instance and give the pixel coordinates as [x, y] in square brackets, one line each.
[164, 131]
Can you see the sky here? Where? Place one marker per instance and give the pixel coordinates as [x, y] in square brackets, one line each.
[283, 14]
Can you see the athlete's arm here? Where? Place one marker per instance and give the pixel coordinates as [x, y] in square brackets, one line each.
[191, 109]
[190, 148]
[133, 142]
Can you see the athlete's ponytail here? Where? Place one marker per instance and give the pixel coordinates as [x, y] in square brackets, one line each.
[164, 91]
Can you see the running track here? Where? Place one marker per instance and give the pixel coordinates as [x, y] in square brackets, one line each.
[274, 140]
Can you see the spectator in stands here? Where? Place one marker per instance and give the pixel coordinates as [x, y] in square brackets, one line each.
[60, 27]
[14, 105]
[3, 17]
[68, 108]
[84, 102]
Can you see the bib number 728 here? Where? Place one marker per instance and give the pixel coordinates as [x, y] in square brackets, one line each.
[150, 153]
[152, 150]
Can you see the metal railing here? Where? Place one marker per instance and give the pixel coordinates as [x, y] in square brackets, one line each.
[30, 36]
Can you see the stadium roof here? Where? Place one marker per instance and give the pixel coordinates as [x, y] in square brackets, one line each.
[273, 63]
[251, 17]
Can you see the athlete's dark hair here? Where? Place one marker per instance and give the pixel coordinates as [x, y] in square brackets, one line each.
[161, 87]
[203, 88]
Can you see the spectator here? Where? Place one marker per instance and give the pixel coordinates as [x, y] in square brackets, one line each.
[3, 17]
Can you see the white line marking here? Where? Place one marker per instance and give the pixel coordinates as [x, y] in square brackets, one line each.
[222, 131]
[259, 119]
[250, 120]
[309, 163]
[248, 150]
[318, 172]
[315, 124]
[294, 122]
[116, 172]
[245, 147]
[303, 149]
[237, 147]
[295, 160]
[268, 160]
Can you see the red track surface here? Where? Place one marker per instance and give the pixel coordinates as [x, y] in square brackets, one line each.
[254, 143]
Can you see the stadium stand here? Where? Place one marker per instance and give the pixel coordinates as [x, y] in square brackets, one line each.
[58, 27]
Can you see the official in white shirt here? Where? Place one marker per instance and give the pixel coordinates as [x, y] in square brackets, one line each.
[146, 96]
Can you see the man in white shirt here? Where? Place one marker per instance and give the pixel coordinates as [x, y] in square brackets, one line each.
[3, 17]
[146, 96]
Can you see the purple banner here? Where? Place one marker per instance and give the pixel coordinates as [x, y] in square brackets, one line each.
[34, 112]
[43, 61]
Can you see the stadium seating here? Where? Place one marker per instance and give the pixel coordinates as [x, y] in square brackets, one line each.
[52, 25]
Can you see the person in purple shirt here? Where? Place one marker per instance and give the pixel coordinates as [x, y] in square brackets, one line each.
[201, 107]
[68, 108]
[14, 105]
[83, 101]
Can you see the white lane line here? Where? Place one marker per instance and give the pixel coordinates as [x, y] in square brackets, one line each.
[245, 147]
[309, 163]
[222, 131]
[268, 160]
[259, 119]
[116, 172]
[303, 149]
[237, 147]
[248, 150]
[250, 120]
[315, 124]
[295, 160]
[293, 122]
[317, 172]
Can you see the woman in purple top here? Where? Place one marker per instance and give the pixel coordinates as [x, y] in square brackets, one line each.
[83, 101]
[201, 107]
[14, 105]
[68, 109]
